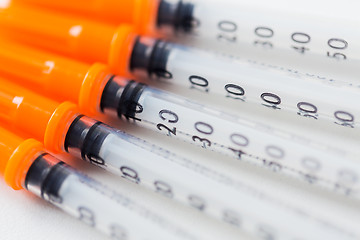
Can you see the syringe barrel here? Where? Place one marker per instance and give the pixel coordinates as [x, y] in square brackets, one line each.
[26, 165]
[115, 214]
[180, 179]
[231, 134]
[305, 38]
[243, 82]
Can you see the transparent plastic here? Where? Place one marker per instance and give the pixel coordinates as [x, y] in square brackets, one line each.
[245, 82]
[303, 34]
[197, 185]
[114, 213]
[235, 136]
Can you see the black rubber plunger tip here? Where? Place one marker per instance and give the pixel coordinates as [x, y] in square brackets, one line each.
[178, 15]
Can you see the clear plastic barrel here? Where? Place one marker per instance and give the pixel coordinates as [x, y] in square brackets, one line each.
[245, 82]
[235, 136]
[317, 36]
[200, 186]
[114, 213]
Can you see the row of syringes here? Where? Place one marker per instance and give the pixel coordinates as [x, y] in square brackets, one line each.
[319, 162]
[97, 90]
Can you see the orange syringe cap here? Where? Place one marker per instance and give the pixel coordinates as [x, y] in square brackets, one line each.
[77, 38]
[35, 115]
[57, 77]
[141, 13]
[16, 157]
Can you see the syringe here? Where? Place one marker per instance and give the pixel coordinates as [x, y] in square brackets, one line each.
[63, 129]
[97, 90]
[301, 36]
[240, 81]
[26, 165]
[305, 35]
[199, 71]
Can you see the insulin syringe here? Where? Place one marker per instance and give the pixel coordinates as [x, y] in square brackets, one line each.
[97, 90]
[63, 129]
[26, 165]
[320, 33]
[242, 82]
[183, 67]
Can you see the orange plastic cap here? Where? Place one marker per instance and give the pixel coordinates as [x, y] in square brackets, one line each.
[81, 39]
[23, 110]
[121, 49]
[8, 143]
[57, 77]
[38, 116]
[49, 74]
[20, 161]
[16, 157]
[145, 17]
[59, 125]
[110, 11]
[141, 13]
[93, 87]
